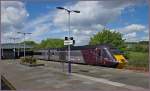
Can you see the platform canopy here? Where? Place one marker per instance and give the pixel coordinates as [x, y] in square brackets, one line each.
[17, 45]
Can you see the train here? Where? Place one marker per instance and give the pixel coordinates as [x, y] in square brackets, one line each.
[100, 55]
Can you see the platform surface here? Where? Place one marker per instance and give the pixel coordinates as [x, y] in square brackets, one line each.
[83, 77]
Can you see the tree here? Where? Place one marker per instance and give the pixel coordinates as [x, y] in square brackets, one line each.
[30, 43]
[51, 43]
[144, 42]
[108, 37]
[141, 47]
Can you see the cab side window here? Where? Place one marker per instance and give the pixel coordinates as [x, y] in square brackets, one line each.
[99, 52]
[53, 53]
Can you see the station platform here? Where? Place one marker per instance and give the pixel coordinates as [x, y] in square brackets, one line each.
[54, 76]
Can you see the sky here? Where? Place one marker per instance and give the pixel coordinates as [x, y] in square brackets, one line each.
[43, 20]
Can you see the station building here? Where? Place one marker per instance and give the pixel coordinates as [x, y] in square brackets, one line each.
[11, 50]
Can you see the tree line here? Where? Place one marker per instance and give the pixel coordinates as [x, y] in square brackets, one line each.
[103, 37]
[47, 43]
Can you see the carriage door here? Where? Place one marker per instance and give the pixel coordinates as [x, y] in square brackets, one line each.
[48, 54]
[98, 55]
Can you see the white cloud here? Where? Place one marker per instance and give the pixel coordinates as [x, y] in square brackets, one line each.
[146, 31]
[93, 16]
[40, 30]
[132, 28]
[92, 19]
[145, 38]
[92, 12]
[12, 12]
[130, 35]
[137, 39]
[13, 15]
[134, 32]
[39, 26]
[44, 19]
[7, 35]
[81, 40]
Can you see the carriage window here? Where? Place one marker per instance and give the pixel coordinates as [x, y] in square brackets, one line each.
[99, 53]
[107, 54]
[116, 51]
[104, 54]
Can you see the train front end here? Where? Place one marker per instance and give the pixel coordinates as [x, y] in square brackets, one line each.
[119, 57]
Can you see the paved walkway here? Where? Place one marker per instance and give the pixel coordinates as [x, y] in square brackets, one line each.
[116, 75]
[51, 77]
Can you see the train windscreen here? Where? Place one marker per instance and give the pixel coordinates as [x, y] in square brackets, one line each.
[116, 51]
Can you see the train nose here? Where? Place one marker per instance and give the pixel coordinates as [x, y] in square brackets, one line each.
[121, 60]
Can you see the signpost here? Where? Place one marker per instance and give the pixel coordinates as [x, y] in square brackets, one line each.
[68, 42]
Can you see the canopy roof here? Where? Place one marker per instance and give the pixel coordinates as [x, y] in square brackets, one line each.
[17, 45]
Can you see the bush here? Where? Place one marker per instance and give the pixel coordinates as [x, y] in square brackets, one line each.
[138, 59]
[139, 48]
[28, 59]
[126, 54]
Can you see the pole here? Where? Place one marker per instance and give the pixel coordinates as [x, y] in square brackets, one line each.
[14, 49]
[24, 41]
[2, 52]
[24, 46]
[149, 32]
[68, 11]
[0, 45]
[18, 50]
[69, 61]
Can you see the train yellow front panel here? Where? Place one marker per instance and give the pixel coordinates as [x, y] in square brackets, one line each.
[121, 60]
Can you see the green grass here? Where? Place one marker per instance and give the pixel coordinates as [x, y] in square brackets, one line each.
[138, 59]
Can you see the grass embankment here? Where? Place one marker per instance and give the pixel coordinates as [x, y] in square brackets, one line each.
[138, 61]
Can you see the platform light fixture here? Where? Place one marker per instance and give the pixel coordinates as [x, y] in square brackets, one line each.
[68, 11]
[24, 34]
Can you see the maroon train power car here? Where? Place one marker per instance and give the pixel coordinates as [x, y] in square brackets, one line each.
[103, 55]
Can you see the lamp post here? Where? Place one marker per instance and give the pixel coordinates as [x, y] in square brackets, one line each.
[0, 45]
[24, 34]
[68, 11]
